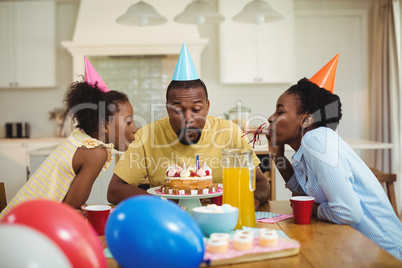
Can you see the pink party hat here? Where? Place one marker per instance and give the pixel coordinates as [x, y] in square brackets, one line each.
[91, 76]
[326, 76]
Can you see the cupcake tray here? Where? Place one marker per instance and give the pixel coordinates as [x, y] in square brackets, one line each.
[286, 248]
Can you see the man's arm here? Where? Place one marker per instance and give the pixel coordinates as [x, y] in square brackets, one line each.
[119, 190]
[262, 189]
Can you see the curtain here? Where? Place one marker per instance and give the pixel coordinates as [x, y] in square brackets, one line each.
[385, 90]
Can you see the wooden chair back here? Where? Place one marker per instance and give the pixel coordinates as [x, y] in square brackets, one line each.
[3, 199]
[388, 179]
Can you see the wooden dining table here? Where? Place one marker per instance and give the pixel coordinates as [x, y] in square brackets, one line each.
[323, 244]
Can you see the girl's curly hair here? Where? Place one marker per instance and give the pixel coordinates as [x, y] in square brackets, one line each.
[89, 106]
[325, 106]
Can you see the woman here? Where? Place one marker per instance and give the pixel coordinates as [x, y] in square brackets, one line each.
[325, 167]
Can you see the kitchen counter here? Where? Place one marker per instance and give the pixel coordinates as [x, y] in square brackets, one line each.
[280, 192]
[353, 143]
[32, 140]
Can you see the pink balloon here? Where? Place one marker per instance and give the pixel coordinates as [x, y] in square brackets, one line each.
[64, 226]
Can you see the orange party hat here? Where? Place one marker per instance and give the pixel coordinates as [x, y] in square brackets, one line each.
[91, 76]
[325, 77]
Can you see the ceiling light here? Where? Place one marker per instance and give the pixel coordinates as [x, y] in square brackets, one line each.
[141, 14]
[199, 12]
[258, 12]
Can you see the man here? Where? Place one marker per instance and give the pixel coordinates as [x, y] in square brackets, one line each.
[186, 132]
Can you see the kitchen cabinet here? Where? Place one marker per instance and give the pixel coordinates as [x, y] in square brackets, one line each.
[99, 188]
[20, 158]
[27, 44]
[253, 54]
[14, 161]
[13, 168]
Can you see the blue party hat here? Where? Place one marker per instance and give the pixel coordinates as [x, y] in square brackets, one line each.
[185, 70]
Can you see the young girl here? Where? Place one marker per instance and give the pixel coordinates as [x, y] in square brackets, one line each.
[104, 121]
[327, 168]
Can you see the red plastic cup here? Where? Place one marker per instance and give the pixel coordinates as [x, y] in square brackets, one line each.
[302, 209]
[217, 200]
[97, 215]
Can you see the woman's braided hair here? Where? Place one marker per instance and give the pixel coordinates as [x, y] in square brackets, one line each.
[325, 106]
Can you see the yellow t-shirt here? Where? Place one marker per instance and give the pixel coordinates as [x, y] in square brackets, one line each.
[156, 147]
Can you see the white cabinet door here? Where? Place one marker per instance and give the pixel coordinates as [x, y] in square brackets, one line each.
[13, 167]
[99, 188]
[6, 45]
[98, 194]
[251, 53]
[27, 44]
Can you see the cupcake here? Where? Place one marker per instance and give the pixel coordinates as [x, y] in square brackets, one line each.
[243, 240]
[244, 232]
[217, 245]
[225, 236]
[267, 237]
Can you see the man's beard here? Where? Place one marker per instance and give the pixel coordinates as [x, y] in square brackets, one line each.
[185, 139]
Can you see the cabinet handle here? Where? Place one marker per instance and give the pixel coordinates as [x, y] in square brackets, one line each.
[16, 84]
[11, 84]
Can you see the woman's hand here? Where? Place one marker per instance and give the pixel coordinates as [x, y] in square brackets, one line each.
[273, 149]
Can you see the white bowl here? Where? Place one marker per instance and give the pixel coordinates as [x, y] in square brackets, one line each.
[215, 222]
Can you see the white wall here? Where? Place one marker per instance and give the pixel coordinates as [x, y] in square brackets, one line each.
[260, 98]
[33, 105]
[351, 83]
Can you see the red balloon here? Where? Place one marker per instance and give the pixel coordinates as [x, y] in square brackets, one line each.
[66, 227]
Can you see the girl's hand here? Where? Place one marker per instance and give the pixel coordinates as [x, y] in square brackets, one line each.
[82, 210]
[83, 206]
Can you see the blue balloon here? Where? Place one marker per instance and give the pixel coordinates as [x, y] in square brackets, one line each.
[146, 231]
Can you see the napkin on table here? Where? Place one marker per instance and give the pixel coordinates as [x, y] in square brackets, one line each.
[269, 217]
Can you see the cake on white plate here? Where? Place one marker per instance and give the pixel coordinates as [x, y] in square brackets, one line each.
[191, 180]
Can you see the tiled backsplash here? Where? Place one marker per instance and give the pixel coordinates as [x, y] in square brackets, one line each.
[143, 78]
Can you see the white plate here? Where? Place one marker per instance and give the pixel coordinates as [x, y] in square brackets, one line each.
[187, 201]
[177, 196]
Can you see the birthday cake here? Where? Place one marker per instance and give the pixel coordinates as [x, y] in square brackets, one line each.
[191, 180]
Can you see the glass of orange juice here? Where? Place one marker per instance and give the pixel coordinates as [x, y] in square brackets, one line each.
[239, 184]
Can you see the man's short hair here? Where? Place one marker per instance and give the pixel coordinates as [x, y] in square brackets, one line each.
[186, 85]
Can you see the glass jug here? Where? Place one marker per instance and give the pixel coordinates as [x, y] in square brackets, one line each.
[239, 184]
[240, 115]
